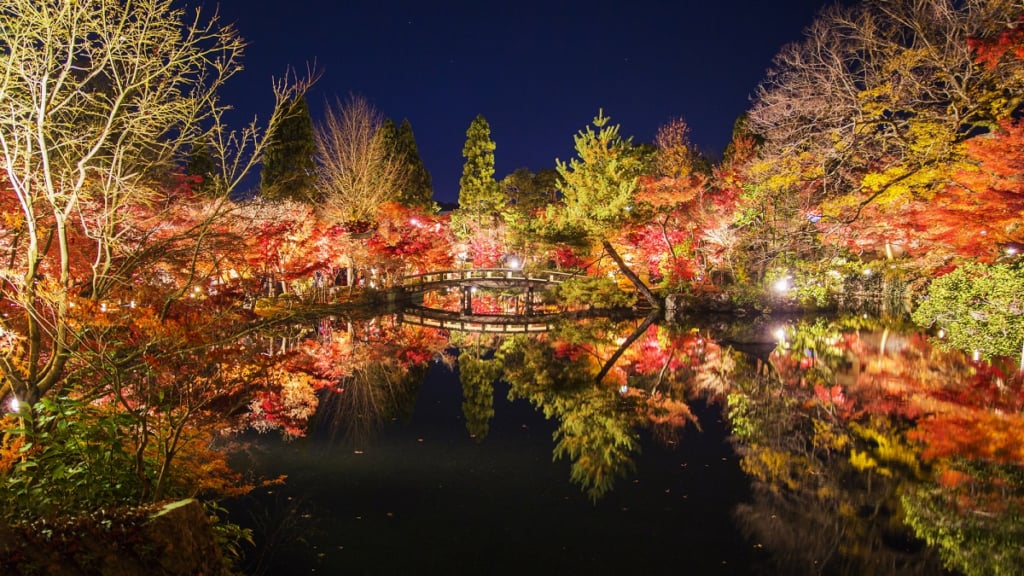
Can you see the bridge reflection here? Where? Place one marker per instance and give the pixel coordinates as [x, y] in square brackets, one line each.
[487, 323]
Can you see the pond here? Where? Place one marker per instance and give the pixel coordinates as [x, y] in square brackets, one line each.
[807, 446]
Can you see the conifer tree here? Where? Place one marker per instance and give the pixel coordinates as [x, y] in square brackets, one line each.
[289, 169]
[419, 190]
[200, 163]
[388, 134]
[600, 182]
[598, 187]
[479, 193]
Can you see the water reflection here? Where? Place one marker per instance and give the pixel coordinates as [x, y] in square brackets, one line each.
[863, 440]
[867, 449]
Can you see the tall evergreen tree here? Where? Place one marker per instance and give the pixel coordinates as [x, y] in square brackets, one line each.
[388, 134]
[419, 191]
[200, 163]
[289, 169]
[401, 146]
[479, 193]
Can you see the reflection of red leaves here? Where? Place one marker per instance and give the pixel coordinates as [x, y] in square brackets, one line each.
[288, 405]
[830, 396]
[570, 352]
[988, 496]
[950, 478]
[665, 410]
[413, 357]
[980, 435]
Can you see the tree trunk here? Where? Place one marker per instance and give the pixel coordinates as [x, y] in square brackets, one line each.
[638, 332]
[648, 294]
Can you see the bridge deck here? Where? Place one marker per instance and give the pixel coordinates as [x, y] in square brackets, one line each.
[491, 277]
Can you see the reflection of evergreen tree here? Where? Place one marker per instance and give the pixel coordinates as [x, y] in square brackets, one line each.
[596, 434]
[595, 426]
[478, 376]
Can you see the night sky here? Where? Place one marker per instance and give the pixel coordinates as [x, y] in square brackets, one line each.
[538, 71]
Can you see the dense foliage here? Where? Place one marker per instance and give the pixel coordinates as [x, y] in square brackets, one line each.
[145, 312]
[978, 307]
[289, 171]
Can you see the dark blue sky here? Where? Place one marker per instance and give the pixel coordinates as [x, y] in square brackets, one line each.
[538, 71]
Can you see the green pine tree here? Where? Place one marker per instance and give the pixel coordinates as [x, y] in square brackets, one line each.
[599, 184]
[420, 191]
[478, 376]
[479, 193]
[598, 188]
[289, 170]
[200, 163]
[388, 134]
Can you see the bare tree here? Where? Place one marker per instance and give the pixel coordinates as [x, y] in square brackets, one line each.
[888, 87]
[356, 172]
[100, 100]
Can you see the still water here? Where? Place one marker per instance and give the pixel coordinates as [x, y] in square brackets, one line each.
[798, 446]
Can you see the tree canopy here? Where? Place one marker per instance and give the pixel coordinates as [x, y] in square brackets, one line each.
[479, 194]
[419, 190]
[289, 169]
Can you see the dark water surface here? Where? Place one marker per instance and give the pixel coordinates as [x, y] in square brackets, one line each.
[830, 447]
[424, 498]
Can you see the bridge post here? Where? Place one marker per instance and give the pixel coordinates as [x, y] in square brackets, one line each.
[529, 301]
[467, 299]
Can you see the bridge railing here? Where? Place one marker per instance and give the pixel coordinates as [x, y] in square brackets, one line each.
[465, 325]
[469, 274]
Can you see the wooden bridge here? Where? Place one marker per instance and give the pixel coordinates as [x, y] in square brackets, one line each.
[484, 277]
[487, 323]
[469, 279]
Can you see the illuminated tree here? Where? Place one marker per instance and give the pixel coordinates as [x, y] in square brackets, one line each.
[672, 209]
[410, 241]
[980, 307]
[356, 174]
[870, 107]
[479, 195]
[101, 98]
[599, 187]
[281, 245]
